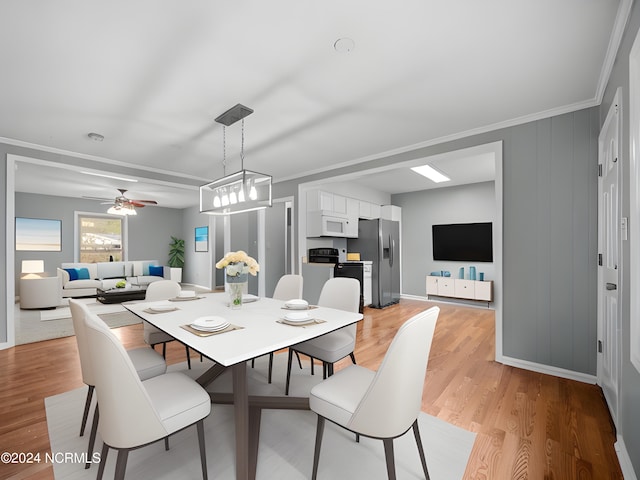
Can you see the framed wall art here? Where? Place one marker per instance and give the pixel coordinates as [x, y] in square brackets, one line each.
[38, 235]
[202, 239]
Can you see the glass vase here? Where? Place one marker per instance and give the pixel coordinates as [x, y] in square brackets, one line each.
[235, 295]
[236, 285]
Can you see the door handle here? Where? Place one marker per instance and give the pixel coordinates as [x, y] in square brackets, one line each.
[611, 286]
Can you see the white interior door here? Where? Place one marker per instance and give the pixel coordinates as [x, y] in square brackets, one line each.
[609, 246]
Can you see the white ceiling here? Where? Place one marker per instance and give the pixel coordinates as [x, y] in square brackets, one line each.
[152, 75]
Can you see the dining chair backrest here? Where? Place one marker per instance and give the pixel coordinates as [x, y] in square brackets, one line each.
[289, 287]
[127, 416]
[162, 290]
[394, 398]
[78, 312]
[342, 293]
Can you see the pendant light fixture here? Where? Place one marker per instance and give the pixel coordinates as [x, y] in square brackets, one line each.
[242, 191]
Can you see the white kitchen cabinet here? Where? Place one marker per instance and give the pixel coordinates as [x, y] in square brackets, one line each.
[340, 204]
[328, 202]
[353, 210]
[459, 288]
[367, 287]
[368, 210]
[391, 212]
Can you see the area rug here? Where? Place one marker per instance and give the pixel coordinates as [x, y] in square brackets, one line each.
[31, 328]
[96, 307]
[286, 441]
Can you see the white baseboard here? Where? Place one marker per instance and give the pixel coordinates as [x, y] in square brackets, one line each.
[625, 461]
[547, 369]
[449, 300]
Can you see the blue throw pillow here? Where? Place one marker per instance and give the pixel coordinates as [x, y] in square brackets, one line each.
[83, 274]
[156, 271]
[73, 273]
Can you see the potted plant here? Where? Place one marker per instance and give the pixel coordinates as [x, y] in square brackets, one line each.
[176, 257]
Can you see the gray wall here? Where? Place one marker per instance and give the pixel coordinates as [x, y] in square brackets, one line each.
[629, 421]
[197, 265]
[149, 232]
[420, 210]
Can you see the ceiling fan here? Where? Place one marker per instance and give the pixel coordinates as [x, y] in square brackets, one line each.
[123, 205]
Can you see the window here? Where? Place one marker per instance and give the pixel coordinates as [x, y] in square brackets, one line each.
[100, 238]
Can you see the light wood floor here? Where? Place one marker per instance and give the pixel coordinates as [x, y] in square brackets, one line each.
[529, 425]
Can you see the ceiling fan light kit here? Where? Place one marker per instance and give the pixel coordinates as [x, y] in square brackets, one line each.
[127, 206]
[242, 191]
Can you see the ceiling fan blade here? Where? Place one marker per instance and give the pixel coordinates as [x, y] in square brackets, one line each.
[150, 202]
[98, 198]
[136, 204]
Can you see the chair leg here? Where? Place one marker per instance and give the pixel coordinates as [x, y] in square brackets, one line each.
[121, 464]
[87, 406]
[188, 357]
[286, 389]
[270, 365]
[312, 364]
[103, 461]
[166, 443]
[92, 436]
[253, 363]
[299, 361]
[164, 350]
[316, 453]
[203, 452]
[416, 433]
[388, 455]
[353, 358]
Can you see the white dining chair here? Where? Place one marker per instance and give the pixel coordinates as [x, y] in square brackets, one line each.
[383, 404]
[341, 293]
[161, 290]
[148, 363]
[289, 287]
[136, 413]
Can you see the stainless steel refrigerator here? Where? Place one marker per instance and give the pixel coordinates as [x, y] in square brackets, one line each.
[379, 241]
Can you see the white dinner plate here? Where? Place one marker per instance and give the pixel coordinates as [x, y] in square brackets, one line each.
[297, 317]
[161, 307]
[248, 298]
[213, 329]
[210, 323]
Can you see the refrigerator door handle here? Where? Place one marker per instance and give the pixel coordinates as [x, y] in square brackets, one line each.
[392, 247]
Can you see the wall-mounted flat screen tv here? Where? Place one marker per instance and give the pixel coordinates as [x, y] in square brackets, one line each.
[463, 242]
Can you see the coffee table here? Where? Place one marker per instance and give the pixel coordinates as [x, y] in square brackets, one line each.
[119, 295]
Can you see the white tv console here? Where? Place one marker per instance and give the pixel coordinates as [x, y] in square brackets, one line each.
[459, 288]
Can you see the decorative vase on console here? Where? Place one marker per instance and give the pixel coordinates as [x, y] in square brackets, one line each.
[237, 266]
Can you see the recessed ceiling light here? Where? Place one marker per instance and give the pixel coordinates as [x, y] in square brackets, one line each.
[344, 45]
[96, 137]
[110, 176]
[431, 173]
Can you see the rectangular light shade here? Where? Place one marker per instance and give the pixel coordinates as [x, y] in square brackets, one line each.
[242, 191]
[32, 266]
[431, 173]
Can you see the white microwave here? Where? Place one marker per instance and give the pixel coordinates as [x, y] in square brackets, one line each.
[320, 224]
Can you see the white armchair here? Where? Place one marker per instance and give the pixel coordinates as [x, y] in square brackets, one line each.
[41, 292]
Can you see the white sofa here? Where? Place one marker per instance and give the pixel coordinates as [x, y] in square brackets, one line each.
[105, 275]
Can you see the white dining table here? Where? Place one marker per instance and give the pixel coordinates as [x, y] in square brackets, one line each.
[258, 331]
